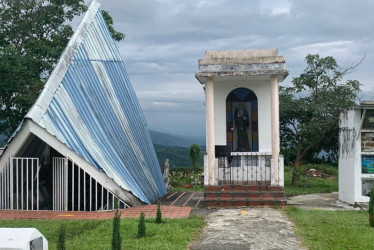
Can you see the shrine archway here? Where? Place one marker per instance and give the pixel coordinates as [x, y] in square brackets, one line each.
[242, 120]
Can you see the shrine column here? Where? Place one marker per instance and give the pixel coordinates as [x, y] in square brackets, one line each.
[209, 91]
[275, 125]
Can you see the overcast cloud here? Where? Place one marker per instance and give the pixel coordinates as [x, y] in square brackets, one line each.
[165, 38]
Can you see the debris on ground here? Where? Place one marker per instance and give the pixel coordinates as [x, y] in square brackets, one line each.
[315, 173]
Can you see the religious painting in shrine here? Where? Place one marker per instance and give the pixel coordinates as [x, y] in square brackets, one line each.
[242, 120]
[368, 122]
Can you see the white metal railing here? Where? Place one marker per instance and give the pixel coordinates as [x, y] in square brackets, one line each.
[245, 168]
[75, 190]
[19, 184]
[60, 177]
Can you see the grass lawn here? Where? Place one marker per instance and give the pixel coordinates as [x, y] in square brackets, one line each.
[320, 229]
[311, 185]
[181, 179]
[97, 234]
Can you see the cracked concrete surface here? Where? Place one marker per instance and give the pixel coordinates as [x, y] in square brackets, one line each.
[323, 201]
[247, 228]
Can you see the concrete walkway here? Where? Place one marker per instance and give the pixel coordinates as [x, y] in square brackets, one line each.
[260, 228]
[322, 201]
[247, 228]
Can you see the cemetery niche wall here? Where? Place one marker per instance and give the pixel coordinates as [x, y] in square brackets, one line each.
[356, 153]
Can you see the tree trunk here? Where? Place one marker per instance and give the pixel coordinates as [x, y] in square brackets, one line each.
[295, 172]
[300, 154]
[296, 166]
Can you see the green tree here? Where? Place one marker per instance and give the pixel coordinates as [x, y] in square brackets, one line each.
[117, 36]
[310, 108]
[195, 154]
[33, 34]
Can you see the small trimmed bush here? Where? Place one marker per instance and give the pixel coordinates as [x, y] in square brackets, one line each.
[141, 226]
[116, 237]
[158, 215]
[371, 207]
[61, 245]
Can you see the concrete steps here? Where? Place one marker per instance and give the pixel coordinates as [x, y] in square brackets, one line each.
[244, 195]
[183, 199]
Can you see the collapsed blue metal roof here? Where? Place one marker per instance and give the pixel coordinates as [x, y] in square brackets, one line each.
[90, 105]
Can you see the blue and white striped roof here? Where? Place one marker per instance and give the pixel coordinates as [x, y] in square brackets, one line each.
[90, 105]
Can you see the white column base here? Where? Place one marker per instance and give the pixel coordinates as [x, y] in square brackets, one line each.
[281, 171]
[206, 171]
[280, 180]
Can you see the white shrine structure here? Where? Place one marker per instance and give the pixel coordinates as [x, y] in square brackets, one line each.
[242, 126]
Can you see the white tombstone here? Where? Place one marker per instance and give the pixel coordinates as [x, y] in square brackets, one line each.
[22, 239]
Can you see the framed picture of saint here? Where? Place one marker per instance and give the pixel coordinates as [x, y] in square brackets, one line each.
[368, 123]
[242, 131]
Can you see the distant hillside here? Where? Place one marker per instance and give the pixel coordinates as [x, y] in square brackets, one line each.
[174, 140]
[178, 156]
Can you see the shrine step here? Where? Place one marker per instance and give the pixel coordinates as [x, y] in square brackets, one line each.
[244, 188]
[244, 195]
[236, 203]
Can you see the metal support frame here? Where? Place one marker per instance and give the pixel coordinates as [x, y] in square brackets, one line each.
[84, 190]
[66, 172]
[11, 183]
[90, 193]
[79, 188]
[72, 186]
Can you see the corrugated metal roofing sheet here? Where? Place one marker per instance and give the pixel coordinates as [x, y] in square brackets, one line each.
[90, 105]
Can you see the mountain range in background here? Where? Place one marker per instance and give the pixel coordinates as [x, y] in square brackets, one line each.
[175, 148]
[178, 156]
[176, 140]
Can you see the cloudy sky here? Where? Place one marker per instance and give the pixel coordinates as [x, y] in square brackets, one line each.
[165, 38]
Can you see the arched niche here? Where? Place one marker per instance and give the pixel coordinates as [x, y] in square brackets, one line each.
[242, 120]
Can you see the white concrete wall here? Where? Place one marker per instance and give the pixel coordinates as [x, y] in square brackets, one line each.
[350, 176]
[261, 88]
[347, 154]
